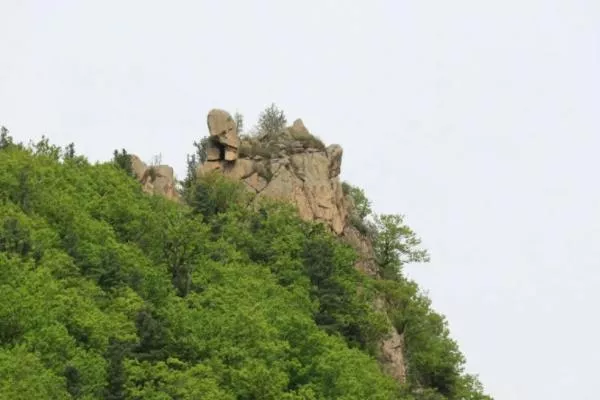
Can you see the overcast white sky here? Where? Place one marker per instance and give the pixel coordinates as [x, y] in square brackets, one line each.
[476, 119]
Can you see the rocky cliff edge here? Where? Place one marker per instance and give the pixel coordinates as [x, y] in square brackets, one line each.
[292, 166]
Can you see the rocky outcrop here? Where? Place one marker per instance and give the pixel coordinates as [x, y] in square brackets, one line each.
[296, 168]
[155, 179]
[391, 348]
[364, 248]
[224, 142]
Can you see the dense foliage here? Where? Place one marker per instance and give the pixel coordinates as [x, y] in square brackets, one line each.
[108, 293]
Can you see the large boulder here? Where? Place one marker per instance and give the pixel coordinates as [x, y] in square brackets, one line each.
[224, 141]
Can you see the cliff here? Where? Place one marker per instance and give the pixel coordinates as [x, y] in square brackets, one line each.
[292, 166]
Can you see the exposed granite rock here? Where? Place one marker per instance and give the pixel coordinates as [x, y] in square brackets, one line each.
[298, 127]
[158, 179]
[391, 349]
[224, 141]
[293, 171]
[334, 154]
[364, 249]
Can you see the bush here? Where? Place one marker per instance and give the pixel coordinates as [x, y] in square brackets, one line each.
[308, 141]
[5, 139]
[252, 147]
[271, 121]
[245, 149]
[366, 228]
[361, 205]
[123, 161]
[214, 193]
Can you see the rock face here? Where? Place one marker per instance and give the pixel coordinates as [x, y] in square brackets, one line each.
[158, 180]
[299, 169]
[364, 248]
[224, 141]
[294, 171]
[391, 349]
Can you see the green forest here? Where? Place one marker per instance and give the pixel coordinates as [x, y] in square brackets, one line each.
[107, 292]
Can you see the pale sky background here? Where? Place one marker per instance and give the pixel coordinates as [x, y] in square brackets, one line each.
[476, 119]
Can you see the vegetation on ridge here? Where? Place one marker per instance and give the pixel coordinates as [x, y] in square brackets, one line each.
[270, 137]
[108, 293]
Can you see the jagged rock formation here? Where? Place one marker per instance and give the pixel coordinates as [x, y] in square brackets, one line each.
[223, 143]
[155, 179]
[296, 167]
[391, 349]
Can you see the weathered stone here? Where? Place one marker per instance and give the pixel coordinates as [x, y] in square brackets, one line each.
[238, 170]
[137, 166]
[256, 182]
[392, 355]
[213, 151]
[306, 183]
[230, 154]
[164, 182]
[156, 179]
[364, 249]
[208, 167]
[223, 130]
[299, 128]
[391, 348]
[334, 153]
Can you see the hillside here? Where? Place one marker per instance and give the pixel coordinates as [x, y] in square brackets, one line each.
[111, 293]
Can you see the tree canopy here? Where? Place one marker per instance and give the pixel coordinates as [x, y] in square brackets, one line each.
[109, 293]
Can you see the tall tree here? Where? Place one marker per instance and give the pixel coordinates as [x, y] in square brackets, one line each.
[396, 244]
[271, 121]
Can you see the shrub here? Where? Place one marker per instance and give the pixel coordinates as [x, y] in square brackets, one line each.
[214, 193]
[252, 147]
[308, 141]
[239, 122]
[5, 139]
[123, 161]
[271, 121]
[346, 188]
[245, 149]
[366, 228]
[361, 205]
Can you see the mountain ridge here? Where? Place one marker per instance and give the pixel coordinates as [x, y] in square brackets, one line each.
[221, 294]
